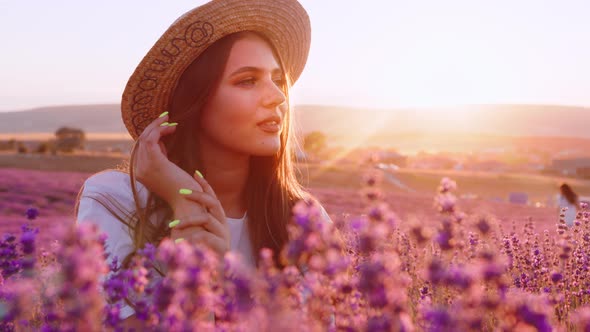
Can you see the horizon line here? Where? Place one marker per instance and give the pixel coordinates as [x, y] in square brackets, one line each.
[339, 106]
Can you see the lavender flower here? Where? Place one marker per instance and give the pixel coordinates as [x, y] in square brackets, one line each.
[32, 213]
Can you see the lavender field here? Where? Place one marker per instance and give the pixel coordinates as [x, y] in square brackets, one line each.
[399, 262]
[54, 194]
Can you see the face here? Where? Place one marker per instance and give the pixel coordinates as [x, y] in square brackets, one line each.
[246, 112]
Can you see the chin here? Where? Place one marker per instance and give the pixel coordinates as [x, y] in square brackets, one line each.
[268, 147]
[266, 151]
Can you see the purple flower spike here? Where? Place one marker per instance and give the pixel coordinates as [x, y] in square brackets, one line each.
[358, 224]
[27, 240]
[149, 252]
[556, 277]
[535, 319]
[32, 213]
[483, 226]
[115, 266]
[439, 318]
[381, 323]
[112, 315]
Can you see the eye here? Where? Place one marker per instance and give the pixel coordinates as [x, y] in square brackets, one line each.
[247, 81]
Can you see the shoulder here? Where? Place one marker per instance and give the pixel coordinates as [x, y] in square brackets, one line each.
[109, 178]
[112, 182]
[102, 191]
[109, 190]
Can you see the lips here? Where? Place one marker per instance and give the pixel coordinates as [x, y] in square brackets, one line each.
[272, 118]
[271, 127]
[272, 124]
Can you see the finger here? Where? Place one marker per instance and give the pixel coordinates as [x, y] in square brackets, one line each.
[154, 131]
[216, 227]
[206, 187]
[185, 233]
[199, 220]
[208, 202]
[215, 243]
[150, 145]
[207, 223]
[155, 134]
[152, 125]
[197, 236]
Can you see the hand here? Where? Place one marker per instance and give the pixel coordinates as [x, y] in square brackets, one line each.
[152, 167]
[209, 227]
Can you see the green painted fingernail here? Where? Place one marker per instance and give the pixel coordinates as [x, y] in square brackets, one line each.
[163, 114]
[164, 124]
[184, 191]
[174, 223]
[201, 175]
[178, 240]
[172, 124]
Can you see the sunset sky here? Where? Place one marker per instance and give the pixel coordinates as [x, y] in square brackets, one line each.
[378, 54]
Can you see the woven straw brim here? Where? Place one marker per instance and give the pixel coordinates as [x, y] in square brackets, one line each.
[149, 89]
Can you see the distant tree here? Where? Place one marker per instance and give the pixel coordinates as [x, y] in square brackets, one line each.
[22, 148]
[44, 147]
[68, 139]
[11, 144]
[314, 142]
[8, 145]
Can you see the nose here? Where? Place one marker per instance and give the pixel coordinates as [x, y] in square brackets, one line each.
[274, 96]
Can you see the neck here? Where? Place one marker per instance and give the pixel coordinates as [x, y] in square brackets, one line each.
[226, 172]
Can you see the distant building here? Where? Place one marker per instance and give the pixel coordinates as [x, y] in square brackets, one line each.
[574, 166]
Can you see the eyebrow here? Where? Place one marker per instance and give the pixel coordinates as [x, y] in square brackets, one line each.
[254, 69]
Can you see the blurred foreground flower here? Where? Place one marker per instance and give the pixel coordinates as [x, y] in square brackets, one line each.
[372, 272]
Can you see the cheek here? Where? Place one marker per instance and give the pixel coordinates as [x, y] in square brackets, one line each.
[229, 116]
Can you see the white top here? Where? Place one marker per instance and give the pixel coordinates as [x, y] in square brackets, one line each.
[119, 243]
[570, 213]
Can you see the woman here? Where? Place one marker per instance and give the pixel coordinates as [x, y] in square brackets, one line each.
[210, 98]
[567, 198]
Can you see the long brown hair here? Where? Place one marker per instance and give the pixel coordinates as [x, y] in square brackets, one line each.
[272, 188]
[569, 194]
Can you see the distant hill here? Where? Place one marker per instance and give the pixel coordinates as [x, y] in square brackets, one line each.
[505, 120]
[104, 118]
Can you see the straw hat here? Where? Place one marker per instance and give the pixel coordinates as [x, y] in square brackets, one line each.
[149, 89]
